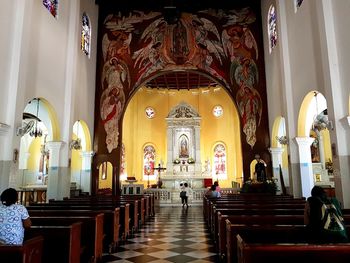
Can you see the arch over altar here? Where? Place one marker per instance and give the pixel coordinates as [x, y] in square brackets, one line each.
[183, 148]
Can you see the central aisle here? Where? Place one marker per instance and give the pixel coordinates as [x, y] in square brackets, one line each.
[175, 234]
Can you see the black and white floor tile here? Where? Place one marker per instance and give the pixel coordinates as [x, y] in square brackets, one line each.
[175, 234]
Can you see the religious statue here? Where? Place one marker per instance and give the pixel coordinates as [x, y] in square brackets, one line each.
[183, 147]
[260, 170]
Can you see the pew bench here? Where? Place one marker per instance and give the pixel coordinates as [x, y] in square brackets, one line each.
[91, 232]
[250, 251]
[61, 243]
[111, 223]
[29, 252]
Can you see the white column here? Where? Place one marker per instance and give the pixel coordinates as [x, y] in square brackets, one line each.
[321, 145]
[170, 157]
[276, 154]
[198, 164]
[85, 174]
[306, 173]
[53, 182]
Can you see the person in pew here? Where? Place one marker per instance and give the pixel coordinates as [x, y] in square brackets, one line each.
[14, 218]
[217, 188]
[212, 192]
[323, 218]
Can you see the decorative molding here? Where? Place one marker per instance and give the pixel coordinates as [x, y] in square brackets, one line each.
[183, 110]
[4, 128]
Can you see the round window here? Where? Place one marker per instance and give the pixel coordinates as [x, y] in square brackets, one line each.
[218, 111]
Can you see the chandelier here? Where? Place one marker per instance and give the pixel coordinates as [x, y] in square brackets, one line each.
[76, 144]
[36, 131]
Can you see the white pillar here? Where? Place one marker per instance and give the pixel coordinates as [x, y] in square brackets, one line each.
[306, 173]
[85, 175]
[170, 157]
[321, 145]
[276, 154]
[198, 164]
[53, 180]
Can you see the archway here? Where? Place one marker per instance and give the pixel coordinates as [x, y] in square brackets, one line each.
[39, 126]
[144, 122]
[313, 123]
[80, 146]
[203, 43]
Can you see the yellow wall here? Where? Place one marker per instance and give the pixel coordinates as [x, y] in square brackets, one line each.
[108, 182]
[76, 161]
[327, 145]
[34, 155]
[138, 130]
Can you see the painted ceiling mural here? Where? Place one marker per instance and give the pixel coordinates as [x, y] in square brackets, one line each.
[139, 45]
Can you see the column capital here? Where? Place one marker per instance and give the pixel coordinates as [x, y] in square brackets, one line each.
[4, 128]
[86, 154]
[276, 150]
[54, 145]
[304, 141]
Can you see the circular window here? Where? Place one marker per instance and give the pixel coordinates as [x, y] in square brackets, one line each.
[218, 111]
[150, 112]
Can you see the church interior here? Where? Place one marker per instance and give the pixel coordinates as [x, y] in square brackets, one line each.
[124, 102]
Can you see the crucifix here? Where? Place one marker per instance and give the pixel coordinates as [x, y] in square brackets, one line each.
[159, 169]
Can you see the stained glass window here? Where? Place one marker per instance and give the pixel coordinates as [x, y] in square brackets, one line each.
[85, 34]
[52, 6]
[150, 112]
[218, 111]
[220, 161]
[272, 28]
[123, 173]
[149, 158]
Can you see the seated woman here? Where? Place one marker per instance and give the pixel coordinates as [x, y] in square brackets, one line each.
[14, 218]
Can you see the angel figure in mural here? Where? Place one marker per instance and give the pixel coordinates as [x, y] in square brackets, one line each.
[154, 55]
[239, 42]
[112, 100]
[250, 108]
[245, 73]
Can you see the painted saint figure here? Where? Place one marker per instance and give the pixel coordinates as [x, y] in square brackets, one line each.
[183, 147]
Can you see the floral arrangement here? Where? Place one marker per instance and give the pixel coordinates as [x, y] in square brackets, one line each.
[252, 186]
[329, 166]
[190, 160]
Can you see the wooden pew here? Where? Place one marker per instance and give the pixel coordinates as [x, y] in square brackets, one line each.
[124, 213]
[91, 232]
[270, 252]
[29, 252]
[221, 237]
[111, 223]
[61, 243]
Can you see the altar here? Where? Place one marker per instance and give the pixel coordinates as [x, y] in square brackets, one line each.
[184, 163]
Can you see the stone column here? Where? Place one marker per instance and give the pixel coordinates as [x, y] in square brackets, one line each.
[85, 172]
[53, 188]
[5, 163]
[276, 154]
[170, 157]
[306, 174]
[321, 149]
[198, 164]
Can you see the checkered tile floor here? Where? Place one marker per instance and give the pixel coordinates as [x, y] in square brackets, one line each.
[175, 234]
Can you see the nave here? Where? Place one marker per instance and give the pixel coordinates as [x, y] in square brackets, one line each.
[174, 234]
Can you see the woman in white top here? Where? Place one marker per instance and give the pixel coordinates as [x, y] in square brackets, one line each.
[14, 218]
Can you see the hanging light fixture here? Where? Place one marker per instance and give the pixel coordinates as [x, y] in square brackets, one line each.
[36, 131]
[320, 121]
[76, 144]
